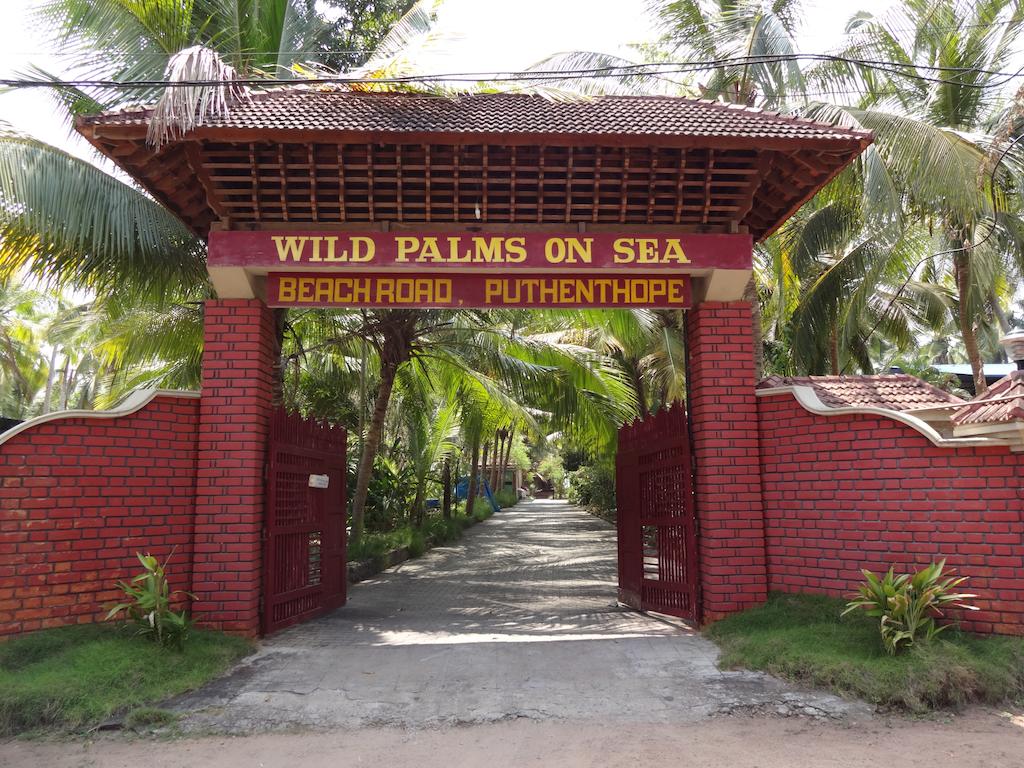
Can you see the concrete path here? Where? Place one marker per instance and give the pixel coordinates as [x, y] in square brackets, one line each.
[518, 620]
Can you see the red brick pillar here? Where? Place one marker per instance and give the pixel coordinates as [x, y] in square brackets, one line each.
[239, 355]
[723, 413]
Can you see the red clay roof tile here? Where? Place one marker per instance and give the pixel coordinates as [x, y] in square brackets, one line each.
[894, 392]
[320, 109]
[1002, 402]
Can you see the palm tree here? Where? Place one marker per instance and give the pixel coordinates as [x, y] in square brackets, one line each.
[938, 135]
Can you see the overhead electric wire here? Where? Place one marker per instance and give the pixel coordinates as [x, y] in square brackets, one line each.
[901, 69]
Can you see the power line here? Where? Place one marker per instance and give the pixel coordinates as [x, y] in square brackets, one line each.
[901, 69]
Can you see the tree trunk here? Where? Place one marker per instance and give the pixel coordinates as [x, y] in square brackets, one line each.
[499, 451]
[474, 468]
[833, 343]
[446, 488]
[962, 263]
[370, 445]
[50, 376]
[750, 295]
[504, 463]
[483, 468]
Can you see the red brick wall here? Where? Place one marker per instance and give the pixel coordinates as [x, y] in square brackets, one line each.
[723, 413]
[847, 492]
[239, 359]
[79, 496]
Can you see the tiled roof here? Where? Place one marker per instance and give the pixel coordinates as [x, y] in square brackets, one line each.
[894, 392]
[308, 108]
[1002, 402]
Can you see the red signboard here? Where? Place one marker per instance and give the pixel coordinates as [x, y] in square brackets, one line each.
[565, 290]
[435, 251]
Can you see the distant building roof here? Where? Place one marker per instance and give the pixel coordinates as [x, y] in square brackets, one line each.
[992, 370]
[894, 392]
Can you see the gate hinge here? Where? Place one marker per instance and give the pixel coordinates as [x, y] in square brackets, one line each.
[266, 471]
[264, 534]
[260, 605]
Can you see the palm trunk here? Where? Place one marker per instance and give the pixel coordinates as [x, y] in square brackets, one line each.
[499, 451]
[750, 295]
[483, 467]
[474, 468]
[508, 455]
[446, 486]
[833, 342]
[50, 376]
[370, 446]
[962, 263]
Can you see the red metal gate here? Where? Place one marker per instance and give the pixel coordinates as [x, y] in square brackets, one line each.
[656, 518]
[304, 573]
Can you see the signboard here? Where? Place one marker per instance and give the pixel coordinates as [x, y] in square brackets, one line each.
[434, 251]
[564, 290]
[320, 481]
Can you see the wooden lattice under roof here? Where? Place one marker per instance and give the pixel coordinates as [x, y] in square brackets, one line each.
[305, 157]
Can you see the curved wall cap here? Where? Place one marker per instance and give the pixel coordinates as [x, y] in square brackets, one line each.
[135, 401]
[809, 401]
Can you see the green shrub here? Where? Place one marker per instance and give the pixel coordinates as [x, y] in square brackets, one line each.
[593, 486]
[482, 509]
[506, 497]
[907, 605]
[148, 604]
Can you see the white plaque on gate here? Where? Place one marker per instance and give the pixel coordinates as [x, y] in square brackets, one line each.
[319, 481]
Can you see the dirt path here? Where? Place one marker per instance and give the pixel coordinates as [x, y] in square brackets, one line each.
[981, 739]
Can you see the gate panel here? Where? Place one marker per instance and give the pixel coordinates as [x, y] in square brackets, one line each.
[657, 523]
[304, 568]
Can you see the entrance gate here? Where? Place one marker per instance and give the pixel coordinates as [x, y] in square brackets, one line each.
[657, 523]
[304, 541]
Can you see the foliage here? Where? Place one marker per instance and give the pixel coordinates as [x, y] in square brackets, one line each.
[149, 601]
[72, 677]
[507, 497]
[907, 605]
[593, 486]
[550, 468]
[802, 638]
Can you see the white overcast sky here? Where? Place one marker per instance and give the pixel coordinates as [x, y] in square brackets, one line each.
[487, 35]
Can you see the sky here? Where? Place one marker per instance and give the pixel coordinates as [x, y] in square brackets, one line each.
[482, 35]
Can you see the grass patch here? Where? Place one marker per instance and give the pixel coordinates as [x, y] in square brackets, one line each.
[802, 638]
[72, 677]
[482, 509]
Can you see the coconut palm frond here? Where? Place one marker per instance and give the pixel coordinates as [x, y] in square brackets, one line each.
[52, 225]
[182, 108]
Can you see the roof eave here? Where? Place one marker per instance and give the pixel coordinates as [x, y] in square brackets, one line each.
[837, 144]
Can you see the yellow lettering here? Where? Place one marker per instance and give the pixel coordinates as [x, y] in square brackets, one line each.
[332, 244]
[431, 250]
[406, 246]
[306, 288]
[515, 250]
[493, 289]
[674, 252]
[286, 289]
[581, 249]
[623, 248]
[363, 249]
[677, 291]
[487, 249]
[289, 246]
[554, 250]
[455, 253]
[316, 248]
[648, 250]
[385, 290]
